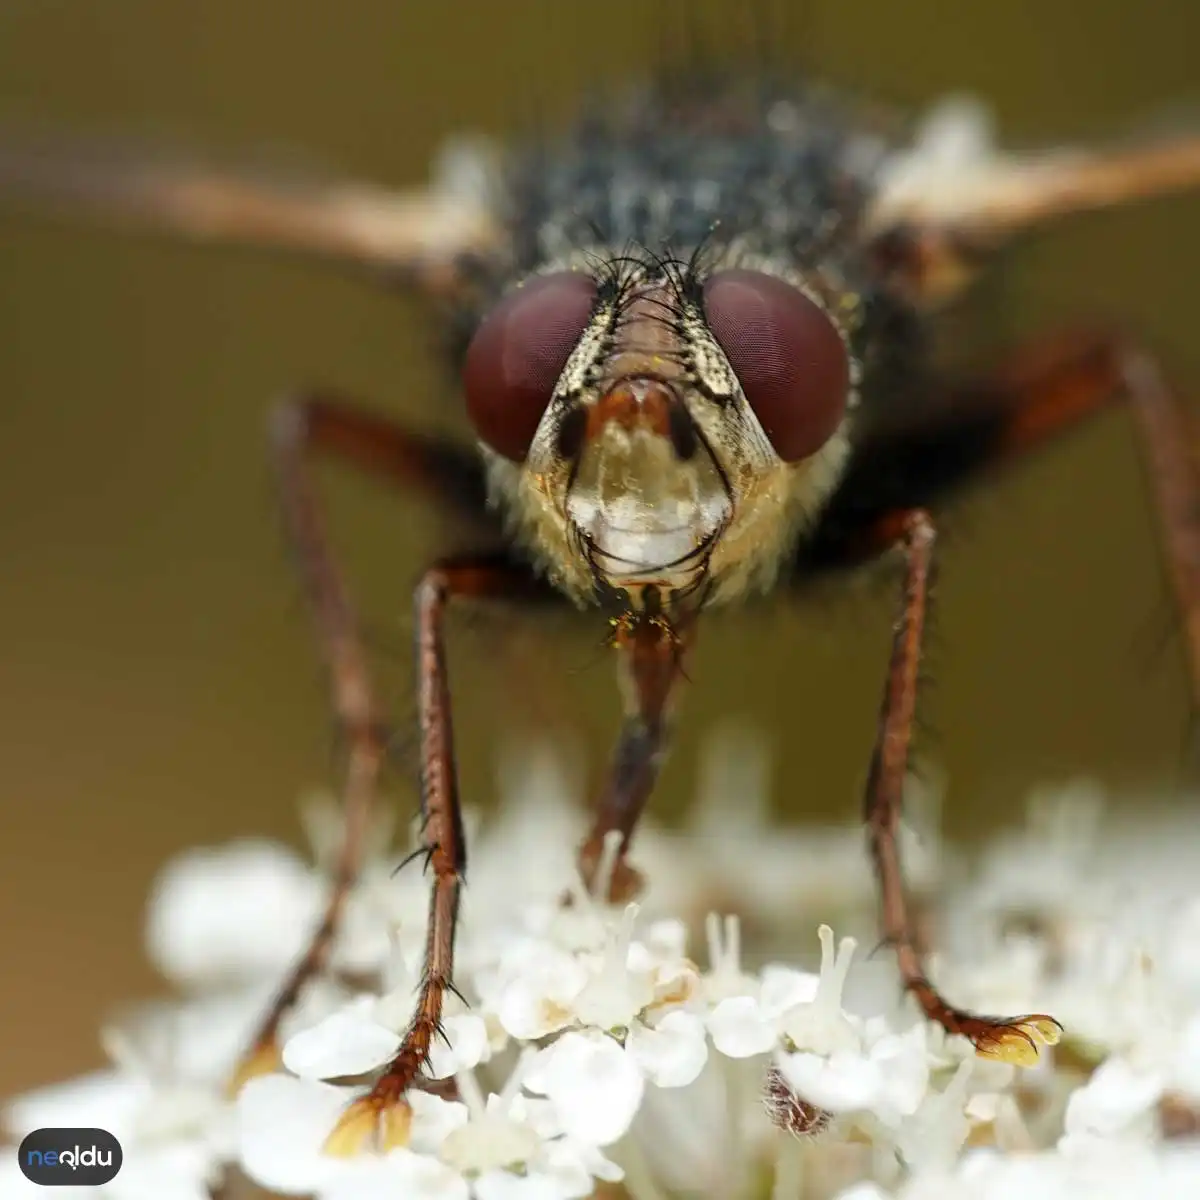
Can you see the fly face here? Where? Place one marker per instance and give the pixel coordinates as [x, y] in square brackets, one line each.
[656, 425]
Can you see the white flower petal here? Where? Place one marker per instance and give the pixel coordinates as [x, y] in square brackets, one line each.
[863, 1191]
[175, 1170]
[494, 1140]
[536, 1000]
[839, 1083]
[904, 1066]
[319, 999]
[367, 935]
[738, 1028]
[198, 1041]
[932, 1139]
[673, 1052]
[346, 1042]
[576, 1166]
[504, 1185]
[234, 914]
[468, 1046]
[627, 1010]
[75, 1103]
[14, 1185]
[1114, 1098]
[434, 1119]
[594, 1083]
[666, 940]
[1185, 1071]
[784, 988]
[282, 1127]
[399, 1173]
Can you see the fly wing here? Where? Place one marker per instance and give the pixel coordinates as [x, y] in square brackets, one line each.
[952, 194]
[418, 235]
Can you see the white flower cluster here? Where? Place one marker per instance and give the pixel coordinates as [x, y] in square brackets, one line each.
[595, 1052]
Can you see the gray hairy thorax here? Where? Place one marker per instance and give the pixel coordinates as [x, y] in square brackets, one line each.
[664, 168]
[742, 170]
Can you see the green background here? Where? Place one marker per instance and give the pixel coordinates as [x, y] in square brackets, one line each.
[157, 683]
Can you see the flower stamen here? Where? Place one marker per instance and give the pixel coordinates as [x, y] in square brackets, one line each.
[835, 966]
[615, 995]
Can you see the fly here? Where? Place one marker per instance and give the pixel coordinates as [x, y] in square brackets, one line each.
[692, 338]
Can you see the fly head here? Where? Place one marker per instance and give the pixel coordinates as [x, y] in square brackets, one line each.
[658, 433]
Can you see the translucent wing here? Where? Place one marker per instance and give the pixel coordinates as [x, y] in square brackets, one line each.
[417, 234]
[953, 194]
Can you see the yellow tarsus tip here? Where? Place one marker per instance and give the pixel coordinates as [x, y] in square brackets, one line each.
[1048, 1029]
[395, 1125]
[1011, 1049]
[1019, 1042]
[367, 1126]
[262, 1060]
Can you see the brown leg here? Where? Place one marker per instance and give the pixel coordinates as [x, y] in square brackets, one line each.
[300, 427]
[1046, 390]
[382, 1114]
[1169, 447]
[651, 664]
[1057, 384]
[1012, 1039]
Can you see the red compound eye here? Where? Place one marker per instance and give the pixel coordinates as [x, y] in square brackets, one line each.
[517, 354]
[787, 355]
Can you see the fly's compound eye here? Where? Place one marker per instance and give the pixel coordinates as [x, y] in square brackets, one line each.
[517, 354]
[786, 354]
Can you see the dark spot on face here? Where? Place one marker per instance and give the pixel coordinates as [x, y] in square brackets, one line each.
[682, 432]
[571, 432]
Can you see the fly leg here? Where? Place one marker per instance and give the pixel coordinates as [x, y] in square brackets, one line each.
[383, 1115]
[451, 476]
[897, 474]
[1045, 390]
[651, 665]
[1068, 378]
[1011, 1039]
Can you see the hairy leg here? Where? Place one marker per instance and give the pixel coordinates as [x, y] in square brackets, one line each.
[1044, 390]
[899, 471]
[382, 1116]
[300, 428]
[1012, 1039]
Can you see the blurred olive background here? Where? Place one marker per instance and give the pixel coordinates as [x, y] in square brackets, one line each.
[158, 687]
